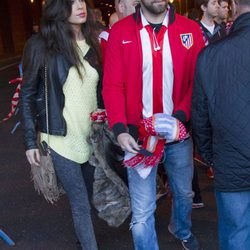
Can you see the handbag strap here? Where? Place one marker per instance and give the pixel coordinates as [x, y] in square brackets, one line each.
[46, 103]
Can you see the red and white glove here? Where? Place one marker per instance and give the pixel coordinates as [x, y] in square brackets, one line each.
[168, 127]
[165, 126]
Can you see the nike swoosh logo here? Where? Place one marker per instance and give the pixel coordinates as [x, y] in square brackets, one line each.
[125, 42]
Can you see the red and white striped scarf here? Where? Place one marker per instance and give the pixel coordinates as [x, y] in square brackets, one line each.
[153, 143]
[15, 98]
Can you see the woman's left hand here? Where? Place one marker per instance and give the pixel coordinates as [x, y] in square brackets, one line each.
[33, 156]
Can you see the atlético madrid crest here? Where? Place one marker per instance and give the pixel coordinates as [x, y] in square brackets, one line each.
[187, 40]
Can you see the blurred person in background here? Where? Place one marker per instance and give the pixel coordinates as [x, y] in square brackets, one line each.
[222, 17]
[193, 14]
[212, 31]
[100, 24]
[113, 19]
[123, 8]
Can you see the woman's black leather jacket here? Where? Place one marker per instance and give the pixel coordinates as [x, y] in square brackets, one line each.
[33, 91]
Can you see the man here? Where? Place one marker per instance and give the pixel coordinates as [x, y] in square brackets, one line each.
[151, 58]
[113, 19]
[212, 31]
[220, 121]
[222, 12]
[123, 8]
[98, 20]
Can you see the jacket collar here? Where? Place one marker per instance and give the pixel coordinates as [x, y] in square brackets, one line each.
[217, 27]
[243, 21]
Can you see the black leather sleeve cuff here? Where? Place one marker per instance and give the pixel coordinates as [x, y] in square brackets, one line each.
[119, 128]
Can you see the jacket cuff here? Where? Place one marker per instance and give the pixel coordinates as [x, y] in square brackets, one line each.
[119, 128]
[30, 146]
[180, 115]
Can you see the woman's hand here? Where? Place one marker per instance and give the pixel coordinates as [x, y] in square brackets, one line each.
[33, 156]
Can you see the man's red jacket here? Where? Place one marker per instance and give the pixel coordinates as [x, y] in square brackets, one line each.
[122, 84]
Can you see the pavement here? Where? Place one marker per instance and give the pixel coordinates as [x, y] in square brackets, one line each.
[36, 225]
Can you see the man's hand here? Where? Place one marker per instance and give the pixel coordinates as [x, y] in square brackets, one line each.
[33, 156]
[127, 143]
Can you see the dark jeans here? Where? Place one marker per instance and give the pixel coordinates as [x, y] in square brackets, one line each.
[195, 183]
[71, 177]
[196, 187]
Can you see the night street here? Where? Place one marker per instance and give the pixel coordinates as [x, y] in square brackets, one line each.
[36, 225]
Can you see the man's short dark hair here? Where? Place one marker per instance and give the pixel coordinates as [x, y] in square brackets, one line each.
[202, 2]
[194, 14]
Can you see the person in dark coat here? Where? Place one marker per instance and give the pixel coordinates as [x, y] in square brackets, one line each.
[220, 122]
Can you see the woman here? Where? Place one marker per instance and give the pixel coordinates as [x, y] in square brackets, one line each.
[68, 48]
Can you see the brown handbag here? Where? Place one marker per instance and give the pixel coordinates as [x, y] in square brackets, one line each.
[44, 176]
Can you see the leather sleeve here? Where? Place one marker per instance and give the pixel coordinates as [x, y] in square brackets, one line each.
[29, 90]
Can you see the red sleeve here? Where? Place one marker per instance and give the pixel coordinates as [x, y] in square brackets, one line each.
[113, 83]
[103, 37]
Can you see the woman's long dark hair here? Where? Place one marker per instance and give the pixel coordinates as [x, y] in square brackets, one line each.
[58, 35]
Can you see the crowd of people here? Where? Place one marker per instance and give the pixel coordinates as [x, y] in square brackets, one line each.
[164, 81]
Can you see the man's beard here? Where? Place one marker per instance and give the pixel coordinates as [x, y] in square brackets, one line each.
[155, 9]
